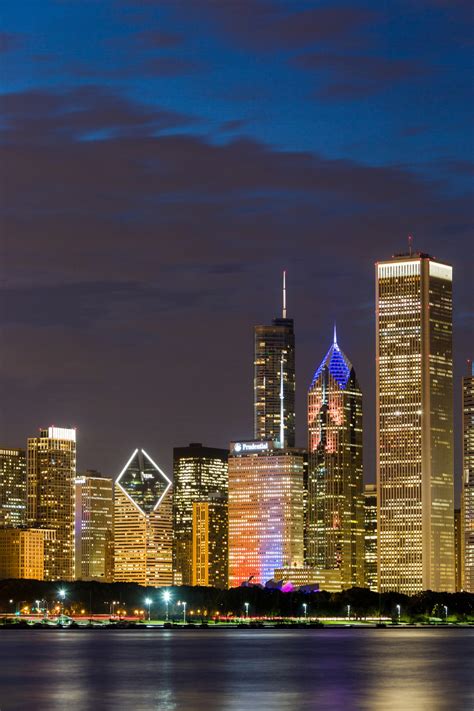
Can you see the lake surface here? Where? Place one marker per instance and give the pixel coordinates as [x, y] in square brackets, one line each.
[237, 670]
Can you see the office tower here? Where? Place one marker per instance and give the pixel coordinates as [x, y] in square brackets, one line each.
[209, 543]
[51, 472]
[370, 519]
[414, 421]
[265, 510]
[94, 527]
[458, 551]
[22, 552]
[335, 490]
[468, 478]
[143, 524]
[274, 380]
[12, 487]
[198, 472]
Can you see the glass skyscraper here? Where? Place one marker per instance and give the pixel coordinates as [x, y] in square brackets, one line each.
[335, 529]
[143, 529]
[12, 487]
[94, 527]
[414, 420]
[274, 380]
[468, 479]
[199, 473]
[51, 473]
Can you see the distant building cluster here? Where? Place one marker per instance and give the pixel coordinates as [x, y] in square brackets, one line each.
[265, 512]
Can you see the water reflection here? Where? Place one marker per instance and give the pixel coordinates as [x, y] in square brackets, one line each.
[223, 670]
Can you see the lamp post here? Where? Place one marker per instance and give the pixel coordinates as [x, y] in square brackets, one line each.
[167, 598]
[398, 612]
[348, 612]
[305, 608]
[246, 604]
[148, 602]
[445, 613]
[62, 595]
[184, 610]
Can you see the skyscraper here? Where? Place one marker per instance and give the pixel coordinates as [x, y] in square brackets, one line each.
[143, 525]
[370, 516]
[335, 489]
[414, 424]
[468, 478]
[210, 541]
[51, 473]
[274, 380]
[198, 472]
[94, 527]
[12, 487]
[458, 550]
[265, 511]
[22, 552]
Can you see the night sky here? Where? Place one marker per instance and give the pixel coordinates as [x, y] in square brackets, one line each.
[162, 162]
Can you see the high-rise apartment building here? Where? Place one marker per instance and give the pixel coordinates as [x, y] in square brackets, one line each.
[274, 380]
[370, 520]
[51, 473]
[210, 542]
[22, 552]
[12, 487]
[198, 473]
[265, 511]
[468, 478]
[94, 527]
[335, 531]
[143, 524]
[414, 420]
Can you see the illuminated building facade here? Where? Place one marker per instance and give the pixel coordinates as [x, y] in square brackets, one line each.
[51, 473]
[468, 479]
[458, 550]
[292, 578]
[210, 542]
[274, 381]
[335, 538]
[143, 524]
[198, 473]
[370, 536]
[22, 552]
[265, 511]
[94, 527]
[414, 420]
[12, 487]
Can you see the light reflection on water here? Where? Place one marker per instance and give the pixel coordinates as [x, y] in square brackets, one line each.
[237, 670]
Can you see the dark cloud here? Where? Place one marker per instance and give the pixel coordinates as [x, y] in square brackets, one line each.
[10, 41]
[351, 76]
[157, 39]
[36, 117]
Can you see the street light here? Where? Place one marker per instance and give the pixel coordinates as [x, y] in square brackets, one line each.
[348, 612]
[305, 608]
[166, 598]
[62, 595]
[398, 612]
[445, 613]
[246, 609]
[148, 602]
[184, 611]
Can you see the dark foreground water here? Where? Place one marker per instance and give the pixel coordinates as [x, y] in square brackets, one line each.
[241, 670]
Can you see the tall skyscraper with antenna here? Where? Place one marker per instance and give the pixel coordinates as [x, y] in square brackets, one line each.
[274, 379]
[335, 528]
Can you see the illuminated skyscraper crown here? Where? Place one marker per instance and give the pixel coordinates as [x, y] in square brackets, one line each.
[337, 363]
[143, 482]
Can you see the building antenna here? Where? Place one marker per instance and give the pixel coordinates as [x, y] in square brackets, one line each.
[410, 244]
[335, 335]
[284, 293]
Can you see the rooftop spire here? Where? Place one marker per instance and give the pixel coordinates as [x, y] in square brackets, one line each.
[284, 294]
[335, 335]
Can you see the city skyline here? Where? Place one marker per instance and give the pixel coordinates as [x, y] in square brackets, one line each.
[180, 164]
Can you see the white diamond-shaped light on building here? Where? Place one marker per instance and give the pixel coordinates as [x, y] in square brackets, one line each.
[143, 528]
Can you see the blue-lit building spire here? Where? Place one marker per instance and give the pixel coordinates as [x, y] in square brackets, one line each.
[337, 363]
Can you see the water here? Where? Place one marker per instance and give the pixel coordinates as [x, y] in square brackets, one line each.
[237, 670]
